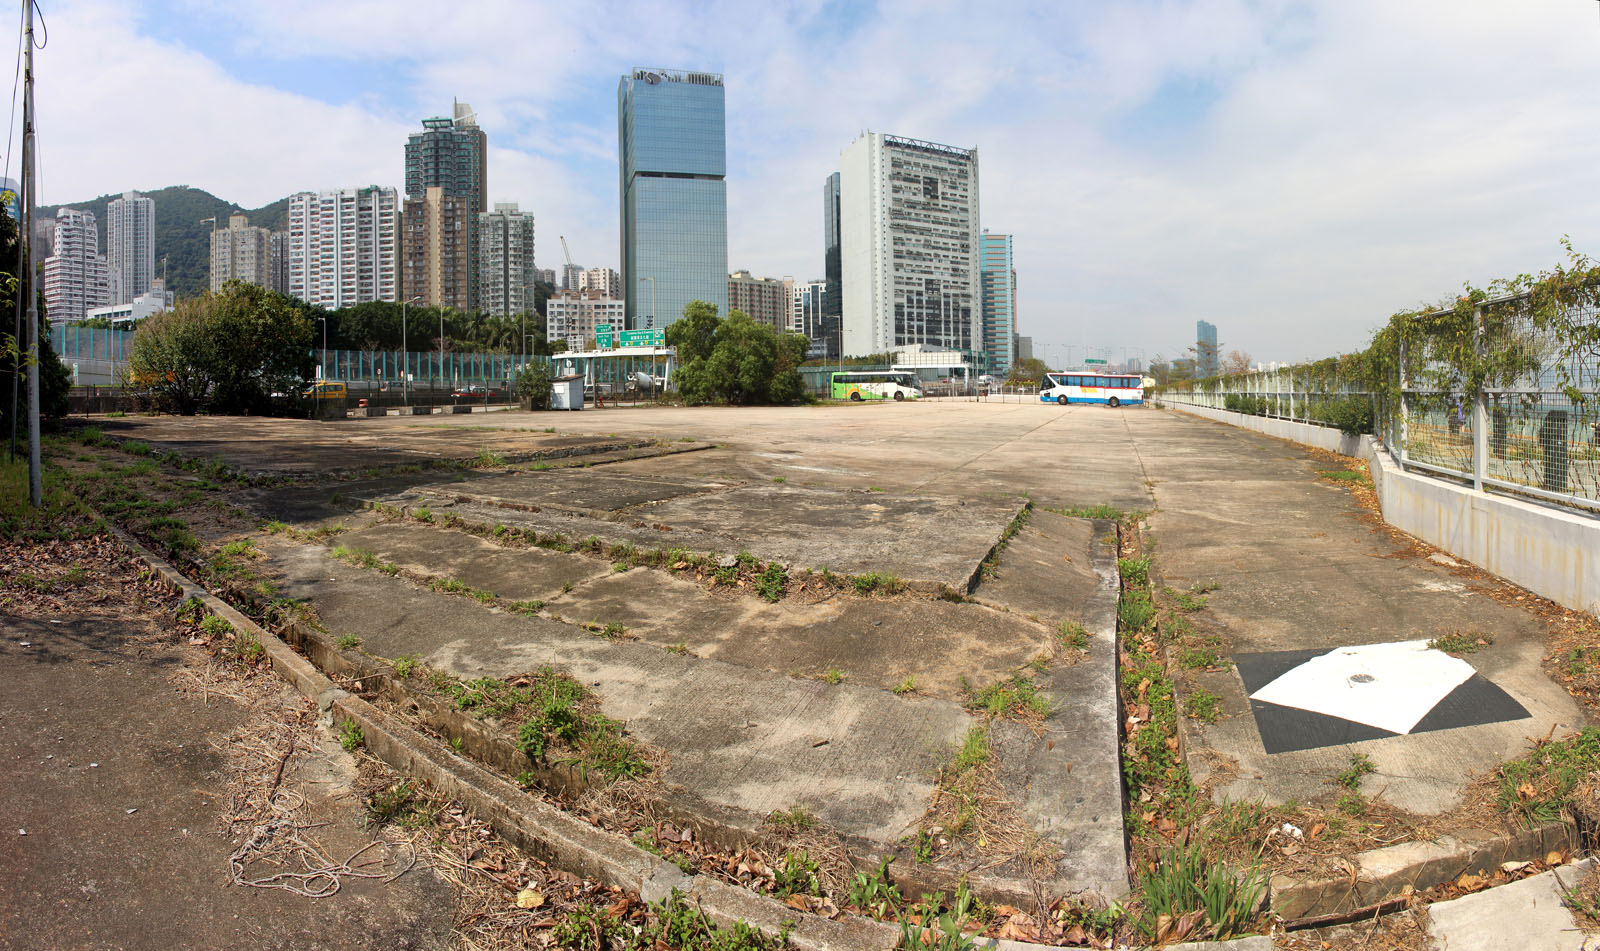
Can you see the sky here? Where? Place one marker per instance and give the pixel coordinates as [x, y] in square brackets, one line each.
[1293, 172]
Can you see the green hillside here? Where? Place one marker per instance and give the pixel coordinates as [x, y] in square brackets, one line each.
[181, 234]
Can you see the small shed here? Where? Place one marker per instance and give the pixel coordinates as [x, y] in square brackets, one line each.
[566, 392]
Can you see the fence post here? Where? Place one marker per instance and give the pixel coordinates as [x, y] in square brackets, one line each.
[1480, 409]
[1291, 393]
[1405, 380]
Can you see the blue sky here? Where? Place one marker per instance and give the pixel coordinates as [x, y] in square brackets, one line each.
[1291, 171]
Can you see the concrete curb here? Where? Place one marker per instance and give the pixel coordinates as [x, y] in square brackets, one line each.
[1382, 874]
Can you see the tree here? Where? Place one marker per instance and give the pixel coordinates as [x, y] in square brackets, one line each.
[1237, 361]
[533, 384]
[736, 361]
[54, 378]
[1160, 370]
[694, 335]
[1028, 371]
[231, 350]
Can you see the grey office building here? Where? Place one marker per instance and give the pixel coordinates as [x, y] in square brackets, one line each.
[672, 157]
[1207, 362]
[832, 304]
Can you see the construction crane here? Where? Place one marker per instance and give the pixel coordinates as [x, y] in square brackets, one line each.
[570, 266]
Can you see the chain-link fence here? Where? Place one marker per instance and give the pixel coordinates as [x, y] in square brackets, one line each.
[1503, 394]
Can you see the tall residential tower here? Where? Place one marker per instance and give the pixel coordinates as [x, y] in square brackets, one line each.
[908, 236]
[672, 157]
[240, 252]
[130, 245]
[998, 273]
[452, 155]
[506, 274]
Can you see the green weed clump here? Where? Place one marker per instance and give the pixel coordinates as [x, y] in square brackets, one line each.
[1012, 697]
[1183, 882]
[1461, 642]
[877, 583]
[772, 582]
[1539, 787]
[1202, 705]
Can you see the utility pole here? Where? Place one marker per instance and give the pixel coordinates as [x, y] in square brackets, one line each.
[25, 207]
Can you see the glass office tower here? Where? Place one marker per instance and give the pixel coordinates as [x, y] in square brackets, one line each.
[672, 156]
[999, 279]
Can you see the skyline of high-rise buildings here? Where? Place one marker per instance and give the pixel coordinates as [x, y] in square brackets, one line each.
[909, 229]
[672, 164]
[900, 220]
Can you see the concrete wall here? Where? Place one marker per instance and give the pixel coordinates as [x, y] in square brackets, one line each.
[1550, 552]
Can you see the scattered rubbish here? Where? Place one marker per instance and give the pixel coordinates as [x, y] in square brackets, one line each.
[1292, 831]
[22, 832]
[94, 765]
[132, 811]
[24, 644]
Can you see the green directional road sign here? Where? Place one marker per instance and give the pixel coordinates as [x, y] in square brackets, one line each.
[644, 338]
[1094, 361]
[602, 336]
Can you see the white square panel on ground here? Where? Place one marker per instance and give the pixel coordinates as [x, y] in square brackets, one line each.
[1389, 686]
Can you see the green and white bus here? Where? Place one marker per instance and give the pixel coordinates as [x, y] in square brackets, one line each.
[875, 385]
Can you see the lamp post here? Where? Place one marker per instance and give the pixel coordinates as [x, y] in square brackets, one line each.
[322, 369]
[405, 362]
[525, 335]
[441, 344]
[650, 321]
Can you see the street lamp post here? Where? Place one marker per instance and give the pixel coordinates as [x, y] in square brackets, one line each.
[405, 362]
[650, 321]
[323, 363]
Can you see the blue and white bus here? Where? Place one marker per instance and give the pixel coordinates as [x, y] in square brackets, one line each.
[1110, 389]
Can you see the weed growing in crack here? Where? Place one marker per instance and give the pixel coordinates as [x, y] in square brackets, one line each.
[350, 736]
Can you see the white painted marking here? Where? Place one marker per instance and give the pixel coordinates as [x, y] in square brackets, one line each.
[1389, 686]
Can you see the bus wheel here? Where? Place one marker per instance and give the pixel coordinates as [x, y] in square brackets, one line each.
[1112, 402]
[899, 397]
[1062, 400]
[855, 397]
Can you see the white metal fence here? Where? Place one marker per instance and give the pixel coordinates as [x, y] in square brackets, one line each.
[1514, 407]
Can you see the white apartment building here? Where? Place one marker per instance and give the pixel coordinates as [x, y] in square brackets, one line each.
[909, 240]
[240, 252]
[506, 274]
[575, 314]
[156, 300]
[805, 312]
[602, 280]
[75, 277]
[344, 246]
[130, 245]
